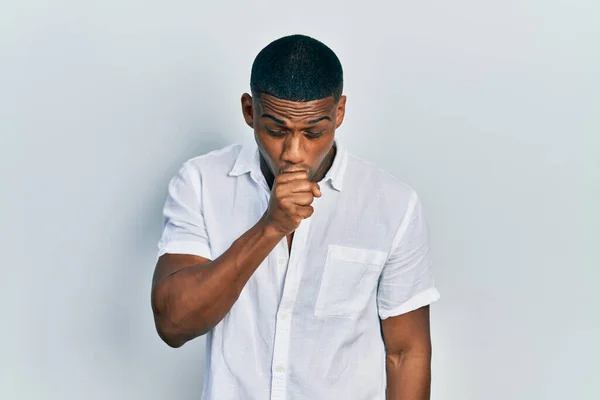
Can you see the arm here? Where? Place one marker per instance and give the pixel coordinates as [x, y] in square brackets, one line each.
[408, 355]
[406, 289]
[191, 294]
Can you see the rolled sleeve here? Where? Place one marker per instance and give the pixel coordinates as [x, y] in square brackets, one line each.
[184, 229]
[407, 282]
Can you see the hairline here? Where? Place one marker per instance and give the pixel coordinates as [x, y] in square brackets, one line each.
[257, 95]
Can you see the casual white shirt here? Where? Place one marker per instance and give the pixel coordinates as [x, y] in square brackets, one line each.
[306, 325]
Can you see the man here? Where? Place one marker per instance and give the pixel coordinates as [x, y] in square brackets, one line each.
[306, 267]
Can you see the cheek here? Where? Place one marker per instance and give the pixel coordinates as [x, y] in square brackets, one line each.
[321, 154]
[269, 149]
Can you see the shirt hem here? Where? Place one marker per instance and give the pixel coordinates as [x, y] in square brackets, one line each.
[186, 247]
[424, 298]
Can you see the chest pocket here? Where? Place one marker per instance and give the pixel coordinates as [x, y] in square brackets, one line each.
[349, 280]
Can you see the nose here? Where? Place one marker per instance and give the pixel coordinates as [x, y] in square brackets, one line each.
[293, 153]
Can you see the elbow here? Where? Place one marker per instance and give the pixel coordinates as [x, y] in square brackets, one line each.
[171, 338]
[400, 356]
[169, 330]
[169, 323]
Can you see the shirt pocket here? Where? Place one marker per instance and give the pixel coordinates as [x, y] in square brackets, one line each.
[349, 280]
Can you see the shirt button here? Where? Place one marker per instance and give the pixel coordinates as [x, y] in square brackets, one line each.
[279, 368]
[284, 316]
[281, 260]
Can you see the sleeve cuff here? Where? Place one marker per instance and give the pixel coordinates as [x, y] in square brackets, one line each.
[427, 297]
[194, 248]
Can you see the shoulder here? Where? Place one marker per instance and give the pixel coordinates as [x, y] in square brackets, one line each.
[213, 161]
[379, 184]
[378, 197]
[194, 171]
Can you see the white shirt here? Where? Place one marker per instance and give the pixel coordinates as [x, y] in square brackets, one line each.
[306, 326]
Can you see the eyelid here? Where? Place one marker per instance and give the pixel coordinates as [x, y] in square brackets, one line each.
[275, 133]
[276, 128]
[281, 132]
[314, 135]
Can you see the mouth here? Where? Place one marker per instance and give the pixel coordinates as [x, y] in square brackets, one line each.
[291, 170]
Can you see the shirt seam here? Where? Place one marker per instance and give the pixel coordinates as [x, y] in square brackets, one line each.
[403, 227]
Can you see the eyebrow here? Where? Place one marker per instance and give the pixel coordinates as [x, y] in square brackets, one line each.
[281, 122]
[314, 121]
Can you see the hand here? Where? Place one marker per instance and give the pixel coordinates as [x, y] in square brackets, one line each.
[291, 197]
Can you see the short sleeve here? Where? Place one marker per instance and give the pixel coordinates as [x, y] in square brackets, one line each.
[184, 230]
[406, 282]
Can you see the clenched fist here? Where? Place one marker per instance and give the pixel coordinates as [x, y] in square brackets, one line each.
[291, 197]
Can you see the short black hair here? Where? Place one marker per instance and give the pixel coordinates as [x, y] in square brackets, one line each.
[297, 68]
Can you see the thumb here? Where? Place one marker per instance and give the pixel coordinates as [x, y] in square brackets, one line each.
[316, 190]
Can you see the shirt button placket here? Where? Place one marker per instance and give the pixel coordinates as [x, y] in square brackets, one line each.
[280, 367]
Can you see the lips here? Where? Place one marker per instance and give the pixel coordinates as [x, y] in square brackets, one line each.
[291, 170]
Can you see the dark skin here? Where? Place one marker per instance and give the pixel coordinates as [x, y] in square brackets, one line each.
[294, 136]
[191, 294]
[407, 342]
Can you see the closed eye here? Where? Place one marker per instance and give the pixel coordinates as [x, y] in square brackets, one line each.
[309, 134]
[275, 133]
[314, 135]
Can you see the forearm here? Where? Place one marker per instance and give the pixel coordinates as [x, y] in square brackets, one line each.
[409, 376]
[193, 300]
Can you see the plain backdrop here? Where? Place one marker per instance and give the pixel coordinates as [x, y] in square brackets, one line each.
[488, 109]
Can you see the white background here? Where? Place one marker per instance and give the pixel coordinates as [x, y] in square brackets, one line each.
[488, 109]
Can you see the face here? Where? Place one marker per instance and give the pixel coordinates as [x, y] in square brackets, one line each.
[294, 136]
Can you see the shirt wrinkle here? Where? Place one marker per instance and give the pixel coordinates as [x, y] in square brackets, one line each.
[307, 324]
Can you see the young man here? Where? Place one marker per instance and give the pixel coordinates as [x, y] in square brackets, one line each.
[306, 266]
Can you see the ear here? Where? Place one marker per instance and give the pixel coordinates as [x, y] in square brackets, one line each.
[248, 110]
[340, 111]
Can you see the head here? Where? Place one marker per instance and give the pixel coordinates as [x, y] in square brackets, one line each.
[296, 104]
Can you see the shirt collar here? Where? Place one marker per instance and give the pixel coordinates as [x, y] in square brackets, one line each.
[248, 161]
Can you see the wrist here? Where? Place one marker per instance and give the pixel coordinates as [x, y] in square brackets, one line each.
[269, 230]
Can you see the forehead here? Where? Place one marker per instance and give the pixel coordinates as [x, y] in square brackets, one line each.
[298, 109]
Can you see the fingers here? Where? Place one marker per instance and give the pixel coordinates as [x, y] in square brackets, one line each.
[296, 182]
[301, 199]
[291, 198]
[290, 176]
[305, 211]
[303, 186]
